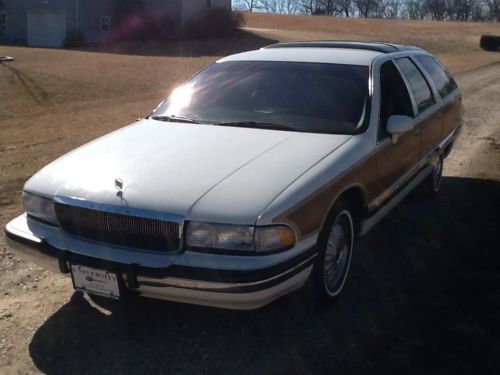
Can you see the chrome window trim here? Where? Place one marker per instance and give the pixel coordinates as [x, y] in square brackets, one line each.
[435, 93]
[450, 97]
[416, 113]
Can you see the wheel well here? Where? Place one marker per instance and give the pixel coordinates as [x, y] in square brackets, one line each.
[355, 198]
[447, 149]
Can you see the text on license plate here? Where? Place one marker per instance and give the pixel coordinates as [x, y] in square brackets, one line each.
[95, 281]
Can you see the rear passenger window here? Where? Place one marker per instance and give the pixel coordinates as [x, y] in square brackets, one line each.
[419, 86]
[442, 80]
[394, 97]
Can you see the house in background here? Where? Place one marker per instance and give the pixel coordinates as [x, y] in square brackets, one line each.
[45, 23]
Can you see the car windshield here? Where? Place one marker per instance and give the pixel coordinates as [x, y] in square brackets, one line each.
[298, 96]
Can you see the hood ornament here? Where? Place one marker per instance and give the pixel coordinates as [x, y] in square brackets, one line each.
[119, 184]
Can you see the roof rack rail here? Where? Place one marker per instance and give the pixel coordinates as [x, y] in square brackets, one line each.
[372, 46]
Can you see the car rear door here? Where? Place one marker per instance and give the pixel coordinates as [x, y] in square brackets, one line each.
[447, 90]
[428, 118]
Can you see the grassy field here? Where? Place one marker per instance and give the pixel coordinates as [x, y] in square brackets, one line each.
[456, 43]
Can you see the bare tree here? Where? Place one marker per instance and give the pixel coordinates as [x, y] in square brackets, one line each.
[345, 7]
[307, 6]
[288, 6]
[388, 8]
[269, 6]
[414, 9]
[366, 8]
[327, 7]
[437, 9]
[461, 10]
[478, 13]
[248, 5]
[324, 7]
[494, 9]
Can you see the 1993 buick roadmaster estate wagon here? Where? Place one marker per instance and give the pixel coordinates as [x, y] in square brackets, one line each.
[255, 176]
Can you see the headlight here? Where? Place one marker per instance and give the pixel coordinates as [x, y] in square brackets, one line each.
[220, 236]
[39, 207]
[238, 237]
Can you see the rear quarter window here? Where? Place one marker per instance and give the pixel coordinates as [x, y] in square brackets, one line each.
[418, 84]
[443, 81]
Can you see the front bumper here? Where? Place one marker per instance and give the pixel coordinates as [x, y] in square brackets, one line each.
[226, 288]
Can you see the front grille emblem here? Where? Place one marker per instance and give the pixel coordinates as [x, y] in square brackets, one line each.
[119, 184]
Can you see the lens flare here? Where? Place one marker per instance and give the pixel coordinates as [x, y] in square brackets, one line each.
[180, 99]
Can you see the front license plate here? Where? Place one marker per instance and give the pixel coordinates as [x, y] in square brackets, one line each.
[95, 281]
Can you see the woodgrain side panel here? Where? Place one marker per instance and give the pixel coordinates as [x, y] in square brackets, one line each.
[309, 215]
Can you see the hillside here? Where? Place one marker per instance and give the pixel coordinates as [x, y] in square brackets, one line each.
[456, 43]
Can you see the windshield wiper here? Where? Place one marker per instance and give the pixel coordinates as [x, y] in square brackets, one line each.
[242, 124]
[175, 119]
[255, 124]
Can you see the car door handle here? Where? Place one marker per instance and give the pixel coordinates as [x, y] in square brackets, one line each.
[417, 130]
[440, 114]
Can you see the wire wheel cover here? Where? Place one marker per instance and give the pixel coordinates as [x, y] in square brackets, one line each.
[337, 254]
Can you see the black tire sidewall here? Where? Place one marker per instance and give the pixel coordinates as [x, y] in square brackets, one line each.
[322, 295]
[440, 164]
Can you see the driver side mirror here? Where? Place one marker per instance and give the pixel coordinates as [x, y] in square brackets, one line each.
[398, 125]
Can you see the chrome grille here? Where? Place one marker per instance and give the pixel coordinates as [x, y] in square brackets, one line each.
[118, 229]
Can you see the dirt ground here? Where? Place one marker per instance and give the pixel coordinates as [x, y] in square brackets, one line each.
[424, 292]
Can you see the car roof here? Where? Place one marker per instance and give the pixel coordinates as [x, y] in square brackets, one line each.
[368, 46]
[322, 51]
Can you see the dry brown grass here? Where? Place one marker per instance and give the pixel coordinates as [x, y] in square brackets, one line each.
[456, 43]
[54, 100]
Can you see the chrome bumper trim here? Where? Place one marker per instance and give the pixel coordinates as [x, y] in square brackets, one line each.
[218, 286]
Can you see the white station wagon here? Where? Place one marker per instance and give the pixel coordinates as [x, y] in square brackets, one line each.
[253, 177]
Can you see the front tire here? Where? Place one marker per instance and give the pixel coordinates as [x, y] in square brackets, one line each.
[336, 245]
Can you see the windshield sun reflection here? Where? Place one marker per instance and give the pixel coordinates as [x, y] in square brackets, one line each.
[180, 99]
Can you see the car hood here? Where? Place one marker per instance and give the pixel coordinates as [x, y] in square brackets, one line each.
[202, 172]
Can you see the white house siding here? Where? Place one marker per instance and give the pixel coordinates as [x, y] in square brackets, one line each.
[17, 17]
[82, 14]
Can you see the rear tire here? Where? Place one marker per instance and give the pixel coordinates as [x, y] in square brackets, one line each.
[336, 245]
[433, 181]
